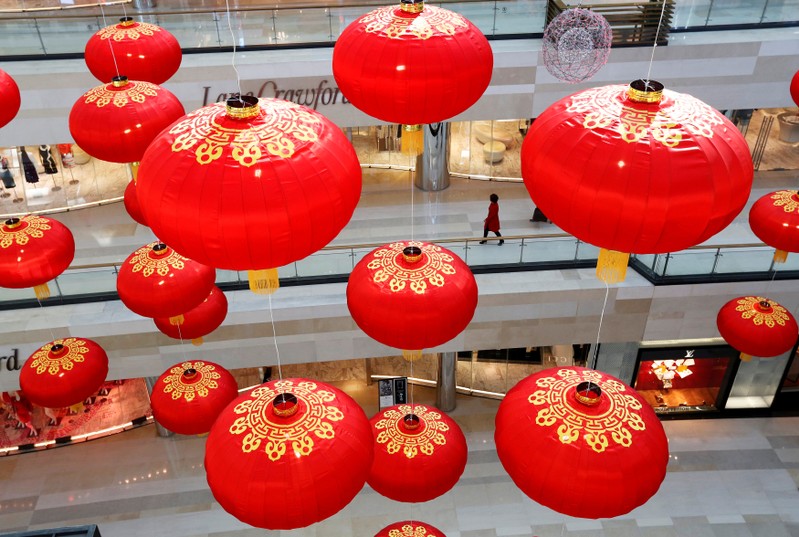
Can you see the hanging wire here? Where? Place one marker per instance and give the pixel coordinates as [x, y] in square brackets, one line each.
[233, 40]
[274, 339]
[110, 46]
[182, 346]
[655, 46]
[599, 329]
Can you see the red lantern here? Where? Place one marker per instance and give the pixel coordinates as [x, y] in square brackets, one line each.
[197, 322]
[33, 251]
[419, 453]
[410, 528]
[412, 295]
[757, 326]
[156, 281]
[64, 372]
[131, 202]
[412, 63]
[636, 169]
[9, 98]
[288, 453]
[774, 218]
[253, 186]
[188, 397]
[116, 122]
[795, 88]
[603, 449]
[138, 50]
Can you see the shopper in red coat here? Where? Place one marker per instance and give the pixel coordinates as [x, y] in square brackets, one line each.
[491, 223]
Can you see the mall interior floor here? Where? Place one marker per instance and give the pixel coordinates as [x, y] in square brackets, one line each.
[726, 478]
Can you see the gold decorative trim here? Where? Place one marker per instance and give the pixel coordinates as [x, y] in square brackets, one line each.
[122, 31]
[280, 130]
[148, 262]
[432, 269]
[398, 438]
[314, 421]
[749, 309]
[410, 530]
[616, 417]
[787, 199]
[132, 92]
[47, 362]
[30, 227]
[199, 386]
[393, 23]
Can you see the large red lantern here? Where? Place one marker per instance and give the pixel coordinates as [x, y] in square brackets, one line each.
[199, 321]
[116, 122]
[412, 63]
[636, 169]
[64, 372]
[188, 397]
[131, 202]
[410, 528]
[9, 98]
[412, 295]
[757, 326]
[599, 448]
[288, 453]
[795, 88]
[774, 218]
[156, 281]
[139, 50]
[420, 453]
[33, 251]
[253, 185]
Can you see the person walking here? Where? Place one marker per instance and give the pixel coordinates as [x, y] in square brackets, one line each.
[491, 223]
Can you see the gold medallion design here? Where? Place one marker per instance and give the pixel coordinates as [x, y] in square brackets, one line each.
[132, 92]
[314, 418]
[120, 32]
[392, 23]
[74, 353]
[787, 199]
[148, 262]
[198, 386]
[572, 420]
[409, 530]
[280, 129]
[750, 309]
[608, 107]
[431, 269]
[29, 227]
[424, 440]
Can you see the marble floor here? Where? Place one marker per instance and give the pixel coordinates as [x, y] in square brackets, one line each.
[726, 478]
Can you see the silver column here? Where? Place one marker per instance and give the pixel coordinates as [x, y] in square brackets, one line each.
[162, 431]
[445, 387]
[432, 166]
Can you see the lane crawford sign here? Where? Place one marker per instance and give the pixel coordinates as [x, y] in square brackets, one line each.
[312, 92]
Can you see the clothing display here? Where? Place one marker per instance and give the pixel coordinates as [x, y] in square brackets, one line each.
[47, 159]
[31, 176]
[5, 174]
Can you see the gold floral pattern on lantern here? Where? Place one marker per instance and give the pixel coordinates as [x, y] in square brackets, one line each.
[280, 129]
[205, 379]
[313, 420]
[73, 353]
[573, 423]
[424, 439]
[409, 530]
[134, 31]
[148, 262]
[606, 107]
[787, 199]
[772, 316]
[29, 227]
[392, 23]
[430, 270]
[136, 92]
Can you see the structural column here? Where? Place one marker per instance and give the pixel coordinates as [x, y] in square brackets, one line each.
[445, 386]
[432, 166]
[162, 431]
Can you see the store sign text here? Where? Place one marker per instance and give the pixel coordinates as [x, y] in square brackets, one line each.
[11, 361]
[324, 94]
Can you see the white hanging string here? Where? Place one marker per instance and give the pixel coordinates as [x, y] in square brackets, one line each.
[110, 46]
[274, 339]
[599, 329]
[655, 46]
[233, 40]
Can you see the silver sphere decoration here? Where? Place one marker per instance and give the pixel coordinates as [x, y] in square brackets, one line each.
[576, 45]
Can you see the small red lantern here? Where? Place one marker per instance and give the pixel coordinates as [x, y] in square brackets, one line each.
[288, 453]
[412, 63]
[116, 122]
[199, 321]
[188, 397]
[412, 295]
[64, 372]
[9, 98]
[604, 449]
[795, 88]
[774, 218]
[410, 528]
[757, 326]
[131, 202]
[419, 453]
[636, 169]
[139, 50]
[156, 281]
[33, 251]
[249, 186]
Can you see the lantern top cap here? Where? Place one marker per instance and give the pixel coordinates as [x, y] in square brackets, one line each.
[189, 373]
[285, 405]
[160, 248]
[645, 91]
[12, 223]
[411, 254]
[119, 81]
[411, 422]
[126, 21]
[412, 6]
[588, 393]
[57, 349]
[764, 304]
[242, 107]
